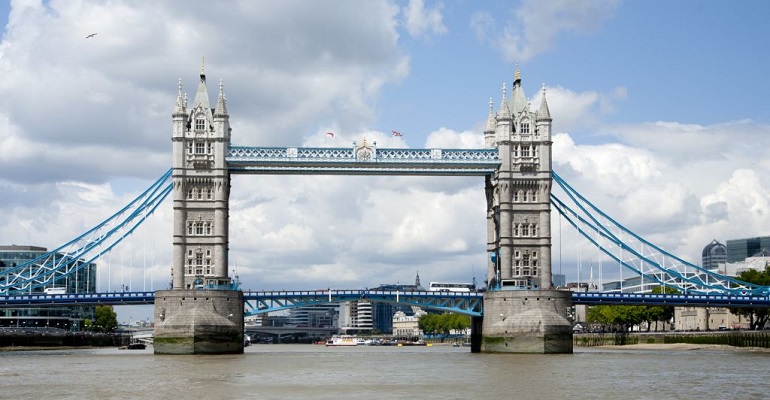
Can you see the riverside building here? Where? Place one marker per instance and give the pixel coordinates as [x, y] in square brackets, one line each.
[16, 261]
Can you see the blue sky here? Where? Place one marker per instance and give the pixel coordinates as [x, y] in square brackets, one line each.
[658, 107]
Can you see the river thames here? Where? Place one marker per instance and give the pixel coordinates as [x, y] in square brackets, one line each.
[436, 372]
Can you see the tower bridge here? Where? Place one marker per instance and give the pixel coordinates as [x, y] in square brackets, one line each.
[202, 312]
[527, 314]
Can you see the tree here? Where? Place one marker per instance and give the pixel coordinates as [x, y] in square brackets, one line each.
[758, 317]
[659, 313]
[429, 323]
[619, 317]
[443, 323]
[106, 320]
[625, 317]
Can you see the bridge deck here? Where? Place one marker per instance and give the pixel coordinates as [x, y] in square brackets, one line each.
[361, 161]
[463, 303]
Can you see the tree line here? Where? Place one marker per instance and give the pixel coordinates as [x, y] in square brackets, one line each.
[443, 323]
[624, 317]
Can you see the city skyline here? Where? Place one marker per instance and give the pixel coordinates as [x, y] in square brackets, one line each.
[658, 118]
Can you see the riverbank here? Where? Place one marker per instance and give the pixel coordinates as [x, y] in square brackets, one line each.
[57, 339]
[42, 348]
[684, 346]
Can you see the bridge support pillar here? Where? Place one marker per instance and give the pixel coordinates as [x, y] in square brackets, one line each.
[198, 322]
[526, 321]
[476, 332]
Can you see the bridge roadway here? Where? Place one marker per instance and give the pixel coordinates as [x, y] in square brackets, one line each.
[464, 303]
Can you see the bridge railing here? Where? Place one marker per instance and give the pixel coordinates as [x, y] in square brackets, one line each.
[258, 302]
[368, 160]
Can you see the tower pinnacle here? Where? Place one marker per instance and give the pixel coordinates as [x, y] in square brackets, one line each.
[516, 73]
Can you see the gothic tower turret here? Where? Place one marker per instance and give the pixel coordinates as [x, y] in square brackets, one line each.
[518, 195]
[522, 313]
[201, 140]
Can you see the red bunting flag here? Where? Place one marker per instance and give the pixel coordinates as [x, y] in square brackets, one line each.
[396, 133]
[329, 134]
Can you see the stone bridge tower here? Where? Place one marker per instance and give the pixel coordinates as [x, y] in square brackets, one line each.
[200, 141]
[203, 311]
[521, 311]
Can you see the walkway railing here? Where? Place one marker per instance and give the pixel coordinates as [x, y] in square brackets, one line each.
[361, 160]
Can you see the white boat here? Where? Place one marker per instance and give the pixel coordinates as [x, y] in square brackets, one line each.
[342, 340]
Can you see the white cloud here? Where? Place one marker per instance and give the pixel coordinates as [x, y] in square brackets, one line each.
[420, 20]
[678, 196]
[118, 87]
[579, 111]
[536, 24]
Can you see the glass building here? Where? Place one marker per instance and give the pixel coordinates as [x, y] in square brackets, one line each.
[714, 253]
[82, 280]
[740, 249]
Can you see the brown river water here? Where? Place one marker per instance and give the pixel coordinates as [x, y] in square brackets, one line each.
[438, 372]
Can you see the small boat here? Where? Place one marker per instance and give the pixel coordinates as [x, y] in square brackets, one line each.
[136, 346]
[342, 340]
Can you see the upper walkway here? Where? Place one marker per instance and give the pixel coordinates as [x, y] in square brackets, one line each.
[361, 160]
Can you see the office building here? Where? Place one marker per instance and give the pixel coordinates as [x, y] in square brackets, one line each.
[16, 262]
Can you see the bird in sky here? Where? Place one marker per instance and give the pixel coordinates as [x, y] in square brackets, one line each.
[91, 35]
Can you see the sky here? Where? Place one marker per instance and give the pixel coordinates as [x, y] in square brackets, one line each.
[659, 115]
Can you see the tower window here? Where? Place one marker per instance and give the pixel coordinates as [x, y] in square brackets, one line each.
[200, 123]
[525, 128]
[200, 148]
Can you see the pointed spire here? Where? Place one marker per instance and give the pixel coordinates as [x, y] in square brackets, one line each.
[543, 114]
[516, 73]
[491, 122]
[221, 107]
[202, 95]
[181, 100]
[203, 69]
[417, 279]
[504, 111]
[518, 99]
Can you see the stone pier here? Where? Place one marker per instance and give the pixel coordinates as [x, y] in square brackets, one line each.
[526, 321]
[198, 322]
